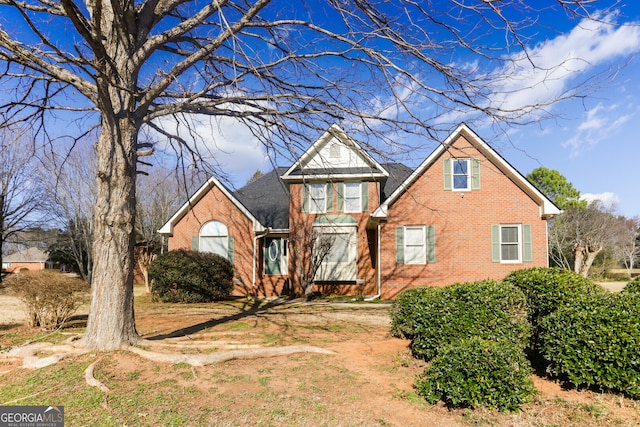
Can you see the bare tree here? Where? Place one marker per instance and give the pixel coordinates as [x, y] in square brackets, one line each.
[69, 180]
[310, 248]
[626, 247]
[20, 190]
[159, 196]
[284, 70]
[582, 234]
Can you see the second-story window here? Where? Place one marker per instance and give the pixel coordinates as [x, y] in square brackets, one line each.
[318, 198]
[352, 197]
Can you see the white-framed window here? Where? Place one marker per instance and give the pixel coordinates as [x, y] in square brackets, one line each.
[510, 243]
[352, 197]
[318, 198]
[340, 263]
[214, 238]
[276, 259]
[461, 174]
[415, 244]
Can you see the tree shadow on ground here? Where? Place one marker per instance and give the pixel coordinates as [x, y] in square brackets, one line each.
[256, 307]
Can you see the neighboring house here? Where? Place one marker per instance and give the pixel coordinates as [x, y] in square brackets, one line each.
[32, 259]
[464, 214]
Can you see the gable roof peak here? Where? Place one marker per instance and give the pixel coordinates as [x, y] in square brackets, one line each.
[335, 155]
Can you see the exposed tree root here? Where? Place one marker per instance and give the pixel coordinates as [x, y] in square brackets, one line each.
[208, 359]
[92, 381]
[32, 356]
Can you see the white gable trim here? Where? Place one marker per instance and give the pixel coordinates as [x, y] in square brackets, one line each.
[333, 132]
[167, 228]
[547, 208]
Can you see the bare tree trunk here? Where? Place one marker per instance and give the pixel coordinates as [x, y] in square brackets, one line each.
[111, 322]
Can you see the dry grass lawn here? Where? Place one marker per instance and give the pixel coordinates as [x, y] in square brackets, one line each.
[366, 381]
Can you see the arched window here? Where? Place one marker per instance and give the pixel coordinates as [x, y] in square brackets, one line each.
[214, 238]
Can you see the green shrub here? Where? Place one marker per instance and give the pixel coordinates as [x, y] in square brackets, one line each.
[191, 277]
[405, 309]
[547, 289]
[594, 343]
[476, 372]
[50, 297]
[487, 309]
[633, 286]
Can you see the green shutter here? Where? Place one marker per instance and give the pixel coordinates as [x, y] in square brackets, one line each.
[527, 246]
[447, 174]
[195, 241]
[305, 197]
[400, 245]
[364, 187]
[340, 196]
[431, 245]
[329, 192]
[231, 249]
[495, 243]
[475, 174]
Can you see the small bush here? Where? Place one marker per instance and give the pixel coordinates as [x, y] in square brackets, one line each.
[633, 286]
[488, 309]
[476, 372]
[547, 289]
[405, 308]
[191, 277]
[50, 297]
[594, 343]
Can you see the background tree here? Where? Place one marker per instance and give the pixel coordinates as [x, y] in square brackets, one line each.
[20, 190]
[159, 195]
[310, 247]
[283, 69]
[626, 244]
[71, 191]
[579, 235]
[557, 188]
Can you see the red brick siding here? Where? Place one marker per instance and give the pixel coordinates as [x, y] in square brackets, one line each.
[214, 205]
[462, 222]
[366, 242]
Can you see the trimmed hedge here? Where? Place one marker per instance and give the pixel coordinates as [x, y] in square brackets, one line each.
[633, 286]
[439, 316]
[594, 343]
[190, 277]
[547, 289]
[476, 372]
[406, 308]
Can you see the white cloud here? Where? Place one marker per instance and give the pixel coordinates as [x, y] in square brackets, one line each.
[599, 124]
[225, 143]
[547, 72]
[608, 199]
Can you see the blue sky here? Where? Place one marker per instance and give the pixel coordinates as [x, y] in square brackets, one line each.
[593, 141]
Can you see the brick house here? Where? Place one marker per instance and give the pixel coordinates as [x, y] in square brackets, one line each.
[32, 259]
[464, 214]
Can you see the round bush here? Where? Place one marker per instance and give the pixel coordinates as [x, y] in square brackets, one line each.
[633, 286]
[191, 277]
[405, 309]
[476, 372]
[594, 343]
[488, 309]
[547, 289]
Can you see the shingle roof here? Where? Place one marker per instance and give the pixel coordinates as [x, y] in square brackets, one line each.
[32, 254]
[398, 173]
[267, 198]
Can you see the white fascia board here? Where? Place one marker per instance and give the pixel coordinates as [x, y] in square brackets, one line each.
[337, 132]
[167, 228]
